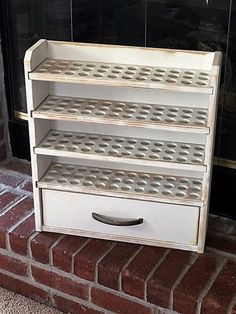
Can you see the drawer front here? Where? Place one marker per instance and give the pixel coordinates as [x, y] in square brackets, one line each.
[161, 222]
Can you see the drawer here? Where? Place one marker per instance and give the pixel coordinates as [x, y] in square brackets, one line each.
[86, 214]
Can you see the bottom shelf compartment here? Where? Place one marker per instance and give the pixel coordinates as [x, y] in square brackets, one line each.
[135, 221]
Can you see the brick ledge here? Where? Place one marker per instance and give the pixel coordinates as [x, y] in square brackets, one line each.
[80, 275]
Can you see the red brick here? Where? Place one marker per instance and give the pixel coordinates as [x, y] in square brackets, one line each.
[27, 186]
[135, 274]
[13, 265]
[222, 291]
[186, 293]
[162, 281]
[3, 152]
[20, 166]
[40, 246]
[116, 303]
[64, 250]
[85, 261]
[110, 267]
[69, 306]
[19, 236]
[24, 288]
[10, 180]
[222, 244]
[10, 218]
[6, 199]
[61, 283]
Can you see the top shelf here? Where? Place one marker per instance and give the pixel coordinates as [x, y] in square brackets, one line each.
[120, 74]
[123, 66]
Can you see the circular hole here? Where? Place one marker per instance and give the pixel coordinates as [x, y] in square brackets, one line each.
[173, 76]
[127, 77]
[183, 180]
[155, 79]
[180, 194]
[129, 147]
[113, 76]
[106, 172]
[145, 142]
[182, 187]
[185, 121]
[52, 172]
[116, 180]
[72, 110]
[113, 152]
[186, 82]
[114, 186]
[139, 189]
[132, 141]
[83, 74]
[201, 83]
[139, 155]
[85, 149]
[120, 140]
[144, 112]
[183, 153]
[74, 182]
[143, 149]
[186, 116]
[100, 184]
[48, 179]
[167, 157]
[59, 146]
[181, 159]
[72, 148]
[153, 191]
[187, 111]
[100, 113]
[119, 67]
[201, 118]
[141, 78]
[116, 146]
[174, 71]
[146, 69]
[57, 166]
[189, 72]
[65, 174]
[129, 72]
[141, 117]
[104, 178]
[155, 184]
[188, 77]
[101, 70]
[196, 189]
[196, 160]
[105, 66]
[173, 110]
[202, 78]
[46, 145]
[132, 68]
[141, 183]
[132, 175]
[199, 148]
[168, 186]
[159, 108]
[143, 73]
[63, 141]
[160, 70]
[198, 154]
[113, 114]
[62, 180]
[103, 145]
[98, 75]
[128, 181]
[170, 179]
[146, 107]
[87, 183]
[158, 144]
[120, 173]
[153, 156]
[204, 73]
[167, 192]
[99, 151]
[117, 109]
[158, 75]
[169, 151]
[69, 72]
[77, 64]
[126, 154]
[116, 71]
[144, 176]
[126, 188]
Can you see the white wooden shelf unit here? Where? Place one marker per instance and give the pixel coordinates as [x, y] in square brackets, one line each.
[122, 141]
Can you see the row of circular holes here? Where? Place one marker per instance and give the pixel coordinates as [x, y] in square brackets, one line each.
[104, 68]
[128, 77]
[58, 167]
[121, 67]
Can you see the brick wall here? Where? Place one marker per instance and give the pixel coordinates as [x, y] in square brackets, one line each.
[4, 146]
[81, 275]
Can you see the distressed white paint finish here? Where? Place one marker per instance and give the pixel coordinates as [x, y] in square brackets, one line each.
[157, 77]
[163, 222]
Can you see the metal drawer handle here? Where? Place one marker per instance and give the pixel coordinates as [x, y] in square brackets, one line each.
[115, 221]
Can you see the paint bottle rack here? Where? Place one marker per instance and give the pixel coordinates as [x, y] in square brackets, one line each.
[122, 140]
